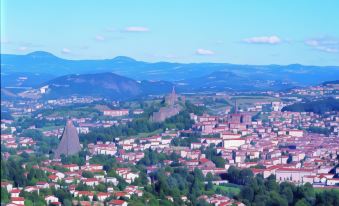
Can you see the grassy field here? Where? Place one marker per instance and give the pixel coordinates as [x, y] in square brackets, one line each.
[142, 135]
[50, 128]
[247, 100]
[229, 188]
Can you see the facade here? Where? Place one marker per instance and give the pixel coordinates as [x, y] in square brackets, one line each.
[296, 175]
[116, 113]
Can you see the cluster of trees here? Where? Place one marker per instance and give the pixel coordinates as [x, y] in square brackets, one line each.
[239, 176]
[152, 157]
[257, 191]
[262, 191]
[175, 182]
[108, 162]
[211, 154]
[143, 125]
[44, 145]
[319, 107]
[79, 159]
[75, 110]
[185, 141]
[11, 170]
[25, 122]
[320, 130]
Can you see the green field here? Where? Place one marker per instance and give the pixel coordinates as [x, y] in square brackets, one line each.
[229, 188]
[142, 135]
[48, 128]
[247, 100]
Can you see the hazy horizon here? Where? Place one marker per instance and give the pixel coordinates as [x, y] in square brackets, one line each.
[167, 61]
[242, 32]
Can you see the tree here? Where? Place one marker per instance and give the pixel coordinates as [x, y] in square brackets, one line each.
[16, 173]
[246, 176]
[67, 202]
[28, 203]
[287, 192]
[277, 200]
[302, 202]
[4, 195]
[272, 184]
[247, 193]
[87, 174]
[209, 179]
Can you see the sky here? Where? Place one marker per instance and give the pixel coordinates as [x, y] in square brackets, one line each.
[237, 31]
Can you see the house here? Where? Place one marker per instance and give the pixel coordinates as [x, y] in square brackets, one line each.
[296, 133]
[89, 194]
[31, 189]
[43, 185]
[72, 167]
[51, 198]
[236, 142]
[117, 203]
[293, 174]
[53, 178]
[116, 113]
[90, 181]
[15, 192]
[7, 185]
[113, 180]
[332, 181]
[18, 200]
[103, 195]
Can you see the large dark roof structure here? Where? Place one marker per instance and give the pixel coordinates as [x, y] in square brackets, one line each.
[69, 144]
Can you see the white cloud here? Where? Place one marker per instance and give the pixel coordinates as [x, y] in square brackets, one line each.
[263, 40]
[99, 38]
[325, 44]
[4, 41]
[66, 51]
[22, 48]
[136, 29]
[204, 52]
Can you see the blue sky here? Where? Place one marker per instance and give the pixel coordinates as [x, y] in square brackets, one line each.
[239, 31]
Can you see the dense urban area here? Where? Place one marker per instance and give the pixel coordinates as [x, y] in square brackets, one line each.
[211, 148]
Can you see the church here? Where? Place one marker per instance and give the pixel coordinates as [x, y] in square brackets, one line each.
[172, 107]
[69, 144]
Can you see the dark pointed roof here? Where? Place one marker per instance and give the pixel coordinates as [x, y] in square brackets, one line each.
[69, 144]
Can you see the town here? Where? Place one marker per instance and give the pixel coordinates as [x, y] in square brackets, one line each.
[187, 149]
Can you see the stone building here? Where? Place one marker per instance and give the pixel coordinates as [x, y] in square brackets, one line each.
[172, 107]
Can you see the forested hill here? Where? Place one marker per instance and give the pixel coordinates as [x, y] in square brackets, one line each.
[331, 82]
[319, 107]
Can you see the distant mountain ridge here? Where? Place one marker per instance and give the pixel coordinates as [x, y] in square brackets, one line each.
[43, 63]
[116, 87]
[108, 85]
[229, 81]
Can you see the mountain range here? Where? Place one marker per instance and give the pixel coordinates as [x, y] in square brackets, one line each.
[137, 78]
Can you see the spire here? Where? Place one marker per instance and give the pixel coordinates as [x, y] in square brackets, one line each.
[236, 107]
[69, 143]
[173, 90]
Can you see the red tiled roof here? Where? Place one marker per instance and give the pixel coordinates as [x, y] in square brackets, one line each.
[117, 202]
